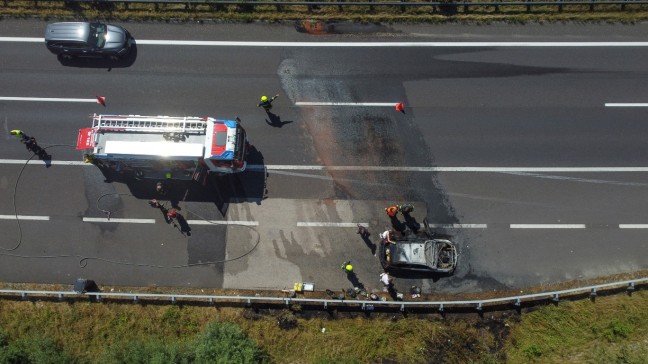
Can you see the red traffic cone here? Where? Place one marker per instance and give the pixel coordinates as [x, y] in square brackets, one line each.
[101, 100]
[400, 107]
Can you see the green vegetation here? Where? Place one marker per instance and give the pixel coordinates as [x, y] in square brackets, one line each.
[611, 330]
[271, 13]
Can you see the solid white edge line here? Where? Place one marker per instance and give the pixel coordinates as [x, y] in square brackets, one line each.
[132, 221]
[611, 104]
[451, 169]
[46, 99]
[24, 217]
[358, 44]
[633, 226]
[547, 226]
[459, 226]
[392, 44]
[279, 167]
[22, 39]
[331, 224]
[39, 162]
[222, 222]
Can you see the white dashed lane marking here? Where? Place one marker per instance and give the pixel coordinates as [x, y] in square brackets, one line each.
[46, 99]
[24, 217]
[633, 226]
[548, 226]
[222, 222]
[331, 224]
[118, 220]
[459, 226]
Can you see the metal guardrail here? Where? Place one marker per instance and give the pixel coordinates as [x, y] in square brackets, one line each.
[466, 5]
[478, 305]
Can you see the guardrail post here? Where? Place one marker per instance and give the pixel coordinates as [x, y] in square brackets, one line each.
[60, 296]
[97, 298]
[340, 8]
[211, 300]
[23, 295]
[173, 300]
[479, 307]
[325, 305]
[560, 6]
[556, 298]
[631, 287]
[518, 302]
[528, 6]
[135, 299]
[440, 308]
[402, 308]
[593, 292]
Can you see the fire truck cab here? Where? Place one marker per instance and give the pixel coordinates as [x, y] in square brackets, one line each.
[166, 146]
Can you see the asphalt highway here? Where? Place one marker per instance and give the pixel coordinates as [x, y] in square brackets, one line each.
[488, 150]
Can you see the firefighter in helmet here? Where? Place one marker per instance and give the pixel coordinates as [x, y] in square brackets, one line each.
[266, 103]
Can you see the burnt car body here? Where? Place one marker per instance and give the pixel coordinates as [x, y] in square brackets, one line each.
[418, 253]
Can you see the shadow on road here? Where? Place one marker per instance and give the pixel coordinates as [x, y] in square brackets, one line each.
[247, 186]
[101, 62]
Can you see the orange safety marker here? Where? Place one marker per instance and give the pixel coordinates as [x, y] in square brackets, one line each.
[101, 100]
[400, 107]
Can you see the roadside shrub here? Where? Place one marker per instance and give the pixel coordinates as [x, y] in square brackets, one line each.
[287, 320]
[225, 343]
[35, 350]
[532, 351]
[4, 340]
[137, 352]
[617, 330]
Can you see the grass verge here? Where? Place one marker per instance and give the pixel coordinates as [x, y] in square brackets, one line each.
[390, 14]
[612, 329]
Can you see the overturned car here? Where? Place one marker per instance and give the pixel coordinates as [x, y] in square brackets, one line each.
[418, 253]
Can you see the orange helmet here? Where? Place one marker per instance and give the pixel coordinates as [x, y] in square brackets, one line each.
[392, 211]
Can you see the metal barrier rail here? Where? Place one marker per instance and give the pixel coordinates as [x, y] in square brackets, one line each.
[464, 4]
[362, 304]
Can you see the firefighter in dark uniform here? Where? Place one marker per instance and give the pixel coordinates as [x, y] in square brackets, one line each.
[266, 103]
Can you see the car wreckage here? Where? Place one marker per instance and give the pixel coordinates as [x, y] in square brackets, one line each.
[418, 252]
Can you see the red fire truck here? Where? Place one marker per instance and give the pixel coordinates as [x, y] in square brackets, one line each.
[165, 146]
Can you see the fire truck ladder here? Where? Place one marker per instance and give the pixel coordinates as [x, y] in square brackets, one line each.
[160, 124]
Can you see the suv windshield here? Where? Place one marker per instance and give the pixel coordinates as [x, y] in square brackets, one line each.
[97, 36]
